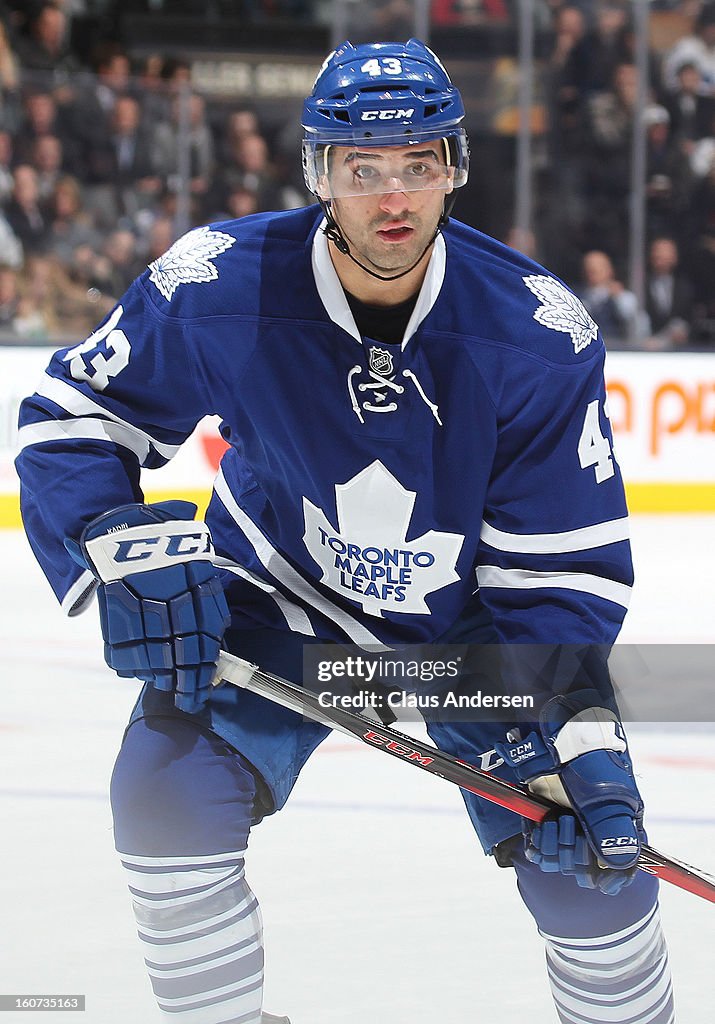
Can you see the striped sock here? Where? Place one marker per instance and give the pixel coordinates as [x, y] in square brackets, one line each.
[623, 978]
[201, 931]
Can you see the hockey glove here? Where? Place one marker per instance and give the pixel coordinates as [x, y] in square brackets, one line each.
[162, 608]
[581, 760]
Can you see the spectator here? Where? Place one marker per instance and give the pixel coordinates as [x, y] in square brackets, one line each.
[98, 93]
[175, 78]
[240, 122]
[9, 301]
[177, 74]
[152, 89]
[10, 245]
[565, 173]
[251, 169]
[522, 240]
[52, 306]
[120, 167]
[93, 108]
[569, 31]
[182, 215]
[90, 271]
[42, 116]
[186, 127]
[36, 319]
[9, 70]
[612, 109]
[70, 224]
[161, 237]
[691, 112]
[470, 12]
[703, 153]
[23, 212]
[45, 47]
[607, 160]
[702, 256]
[614, 309]
[628, 49]
[383, 19]
[669, 295]
[120, 249]
[697, 49]
[668, 178]
[47, 159]
[9, 82]
[239, 202]
[6, 161]
[593, 60]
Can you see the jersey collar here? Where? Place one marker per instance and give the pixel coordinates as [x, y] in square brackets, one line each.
[333, 298]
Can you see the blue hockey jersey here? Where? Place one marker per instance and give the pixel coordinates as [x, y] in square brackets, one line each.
[369, 489]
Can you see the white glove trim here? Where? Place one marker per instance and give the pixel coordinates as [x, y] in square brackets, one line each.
[552, 788]
[591, 729]
[149, 546]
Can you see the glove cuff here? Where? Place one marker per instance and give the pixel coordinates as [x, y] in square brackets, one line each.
[591, 729]
[140, 538]
[568, 728]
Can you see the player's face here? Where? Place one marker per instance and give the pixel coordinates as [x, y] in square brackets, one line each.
[389, 229]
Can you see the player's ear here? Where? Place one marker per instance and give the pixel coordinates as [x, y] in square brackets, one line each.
[322, 187]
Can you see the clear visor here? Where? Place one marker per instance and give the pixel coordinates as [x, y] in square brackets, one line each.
[348, 168]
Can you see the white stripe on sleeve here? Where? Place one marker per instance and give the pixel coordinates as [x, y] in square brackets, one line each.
[529, 579]
[85, 429]
[557, 543]
[79, 404]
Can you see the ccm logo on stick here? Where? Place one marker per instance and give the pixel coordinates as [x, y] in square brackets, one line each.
[386, 115]
[397, 748]
[176, 545]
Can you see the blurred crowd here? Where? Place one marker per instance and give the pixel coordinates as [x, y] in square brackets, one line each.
[102, 167]
[585, 183]
[104, 160]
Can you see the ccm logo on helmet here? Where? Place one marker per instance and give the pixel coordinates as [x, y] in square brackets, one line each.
[386, 115]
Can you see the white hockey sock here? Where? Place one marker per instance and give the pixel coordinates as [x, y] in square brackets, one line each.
[201, 931]
[623, 978]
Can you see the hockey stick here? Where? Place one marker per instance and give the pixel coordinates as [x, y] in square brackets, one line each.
[437, 762]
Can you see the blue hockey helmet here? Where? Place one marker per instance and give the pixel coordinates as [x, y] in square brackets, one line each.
[383, 94]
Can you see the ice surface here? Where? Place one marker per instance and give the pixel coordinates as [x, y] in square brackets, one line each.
[378, 904]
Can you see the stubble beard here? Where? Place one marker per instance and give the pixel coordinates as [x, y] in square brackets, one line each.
[395, 256]
[390, 256]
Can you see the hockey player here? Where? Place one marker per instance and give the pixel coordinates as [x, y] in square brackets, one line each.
[398, 391]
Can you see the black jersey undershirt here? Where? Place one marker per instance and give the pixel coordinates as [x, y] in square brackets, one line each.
[382, 323]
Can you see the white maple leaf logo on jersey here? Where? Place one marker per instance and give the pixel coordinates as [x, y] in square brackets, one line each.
[561, 310]
[189, 260]
[368, 558]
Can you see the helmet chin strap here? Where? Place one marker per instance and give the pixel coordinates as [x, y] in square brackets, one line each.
[333, 231]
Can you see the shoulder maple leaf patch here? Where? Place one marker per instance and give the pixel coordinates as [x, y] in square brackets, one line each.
[561, 310]
[189, 260]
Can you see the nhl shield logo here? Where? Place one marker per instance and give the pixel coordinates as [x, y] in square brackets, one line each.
[381, 362]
